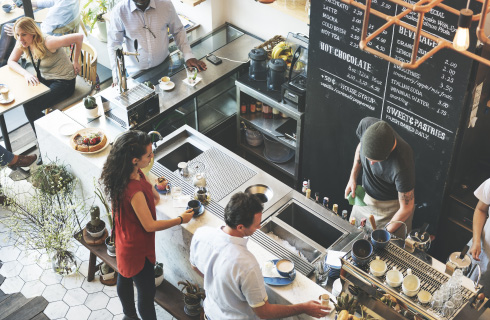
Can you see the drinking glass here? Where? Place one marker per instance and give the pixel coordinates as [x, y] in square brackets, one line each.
[321, 271]
[448, 309]
[191, 74]
[445, 291]
[176, 192]
[457, 299]
[437, 301]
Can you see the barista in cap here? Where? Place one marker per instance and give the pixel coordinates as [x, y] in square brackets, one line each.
[388, 176]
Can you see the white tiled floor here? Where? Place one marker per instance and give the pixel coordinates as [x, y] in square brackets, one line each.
[69, 297]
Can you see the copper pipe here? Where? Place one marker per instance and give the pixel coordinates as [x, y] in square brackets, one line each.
[480, 31]
[416, 39]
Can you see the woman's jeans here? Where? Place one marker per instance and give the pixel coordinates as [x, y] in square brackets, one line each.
[60, 90]
[145, 284]
[5, 156]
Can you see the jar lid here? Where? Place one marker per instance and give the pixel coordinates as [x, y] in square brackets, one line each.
[257, 54]
[277, 64]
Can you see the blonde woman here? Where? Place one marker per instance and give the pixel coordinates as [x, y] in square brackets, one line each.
[52, 64]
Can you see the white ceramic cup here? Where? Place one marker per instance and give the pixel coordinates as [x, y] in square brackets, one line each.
[325, 300]
[411, 284]
[394, 278]
[378, 267]
[5, 93]
[424, 296]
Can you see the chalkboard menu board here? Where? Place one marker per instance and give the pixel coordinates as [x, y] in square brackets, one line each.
[426, 106]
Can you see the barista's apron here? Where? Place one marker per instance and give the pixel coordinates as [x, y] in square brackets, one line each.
[484, 259]
[382, 211]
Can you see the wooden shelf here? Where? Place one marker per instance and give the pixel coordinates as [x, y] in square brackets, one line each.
[294, 8]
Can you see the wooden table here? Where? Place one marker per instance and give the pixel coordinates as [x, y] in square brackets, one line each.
[22, 94]
[17, 13]
[167, 296]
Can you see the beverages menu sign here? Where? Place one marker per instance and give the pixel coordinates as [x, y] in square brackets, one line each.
[346, 84]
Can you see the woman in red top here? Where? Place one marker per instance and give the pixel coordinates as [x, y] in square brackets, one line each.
[133, 202]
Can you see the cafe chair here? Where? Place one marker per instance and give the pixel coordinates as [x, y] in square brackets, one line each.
[85, 82]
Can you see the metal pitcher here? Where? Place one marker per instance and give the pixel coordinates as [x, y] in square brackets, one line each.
[421, 238]
[462, 261]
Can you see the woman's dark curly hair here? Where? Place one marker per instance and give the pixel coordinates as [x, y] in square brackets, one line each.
[119, 164]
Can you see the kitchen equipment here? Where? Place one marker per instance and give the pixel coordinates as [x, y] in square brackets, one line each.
[202, 194]
[277, 152]
[254, 137]
[459, 260]
[293, 92]
[361, 251]
[258, 64]
[276, 74]
[263, 192]
[419, 238]
[199, 180]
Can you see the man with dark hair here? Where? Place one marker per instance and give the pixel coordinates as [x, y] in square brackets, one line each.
[232, 277]
[388, 175]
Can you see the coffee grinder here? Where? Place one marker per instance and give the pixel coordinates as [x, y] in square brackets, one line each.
[293, 91]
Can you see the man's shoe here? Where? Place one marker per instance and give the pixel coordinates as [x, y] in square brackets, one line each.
[23, 161]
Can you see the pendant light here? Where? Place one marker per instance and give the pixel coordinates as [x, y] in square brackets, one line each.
[461, 40]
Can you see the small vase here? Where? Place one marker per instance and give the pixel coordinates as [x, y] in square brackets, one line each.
[102, 35]
[92, 113]
[64, 263]
[158, 280]
[111, 248]
[192, 308]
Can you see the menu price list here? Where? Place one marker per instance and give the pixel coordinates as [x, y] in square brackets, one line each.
[428, 93]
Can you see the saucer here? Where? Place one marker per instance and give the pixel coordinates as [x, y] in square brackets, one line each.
[273, 281]
[163, 191]
[169, 86]
[68, 129]
[10, 99]
[186, 81]
[201, 211]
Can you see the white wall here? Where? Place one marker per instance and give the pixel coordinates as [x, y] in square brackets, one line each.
[254, 17]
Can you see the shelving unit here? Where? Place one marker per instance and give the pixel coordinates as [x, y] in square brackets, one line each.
[272, 128]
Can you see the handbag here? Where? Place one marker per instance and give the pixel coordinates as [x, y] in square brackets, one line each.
[38, 72]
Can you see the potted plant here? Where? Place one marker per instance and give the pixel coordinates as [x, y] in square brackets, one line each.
[95, 227]
[109, 241]
[192, 297]
[158, 273]
[47, 217]
[92, 13]
[108, 276]
[91, 107]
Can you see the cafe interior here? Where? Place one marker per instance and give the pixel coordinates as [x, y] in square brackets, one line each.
[278, 112]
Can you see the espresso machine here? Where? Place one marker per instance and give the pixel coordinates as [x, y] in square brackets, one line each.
[293, 91]
[370, 290]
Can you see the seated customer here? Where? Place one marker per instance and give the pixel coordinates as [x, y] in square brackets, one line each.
[15, 161]
[232, 277]
[52, 64]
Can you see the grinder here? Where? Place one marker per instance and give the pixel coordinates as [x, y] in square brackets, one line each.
[293, 91]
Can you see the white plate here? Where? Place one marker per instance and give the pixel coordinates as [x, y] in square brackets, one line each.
[10, 99]
[169, 86]
[186, 81]
[87, 131]
[67, 129]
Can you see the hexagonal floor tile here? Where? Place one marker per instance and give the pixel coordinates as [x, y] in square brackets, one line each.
[54, 292]
[93, 286]
[12, 285]
[33, 289]
[110, 291]
[118, 317]
[56, 310]
[75, 297]
[9, 253]
[83, 269]
[49, 277]
[7, 239]
[28, 257]
[162, 314]
[96, 301]
[44, 262]
[11, 269]
[102, 314]
[31, 272]
[78, 313]
[114, 306]
[83, 253]
[73, 281]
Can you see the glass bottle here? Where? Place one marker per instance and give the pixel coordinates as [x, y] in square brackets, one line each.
[276, 114]
[258, 106]
[243, 108]
[252, 107]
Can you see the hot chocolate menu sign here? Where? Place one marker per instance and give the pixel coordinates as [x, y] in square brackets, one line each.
[345, 84]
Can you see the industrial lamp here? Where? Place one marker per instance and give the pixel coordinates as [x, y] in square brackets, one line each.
[461, 39]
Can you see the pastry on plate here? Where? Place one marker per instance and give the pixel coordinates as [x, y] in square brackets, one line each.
[162, 183]
[89, 142]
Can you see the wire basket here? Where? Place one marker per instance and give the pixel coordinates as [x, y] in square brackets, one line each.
[270, 44]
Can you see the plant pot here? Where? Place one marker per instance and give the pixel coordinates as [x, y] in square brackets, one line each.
[64, 263]
[102, 35]
[97, 234]
[111, 247]
[108, 279]
[192, 307]
[158, 280]
[92, 113]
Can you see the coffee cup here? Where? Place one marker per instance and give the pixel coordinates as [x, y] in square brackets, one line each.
[5, 93]
[165, 81]
[411, 284]
[7, 7]
[377, 267]
[324, 300]
[195, 205]
[424, 296]
[394, 278]
[285, 267]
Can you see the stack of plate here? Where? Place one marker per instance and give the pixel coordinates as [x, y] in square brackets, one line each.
[333, 268]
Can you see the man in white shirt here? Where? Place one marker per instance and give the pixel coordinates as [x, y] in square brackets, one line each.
[232, 277]
[148, 21]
